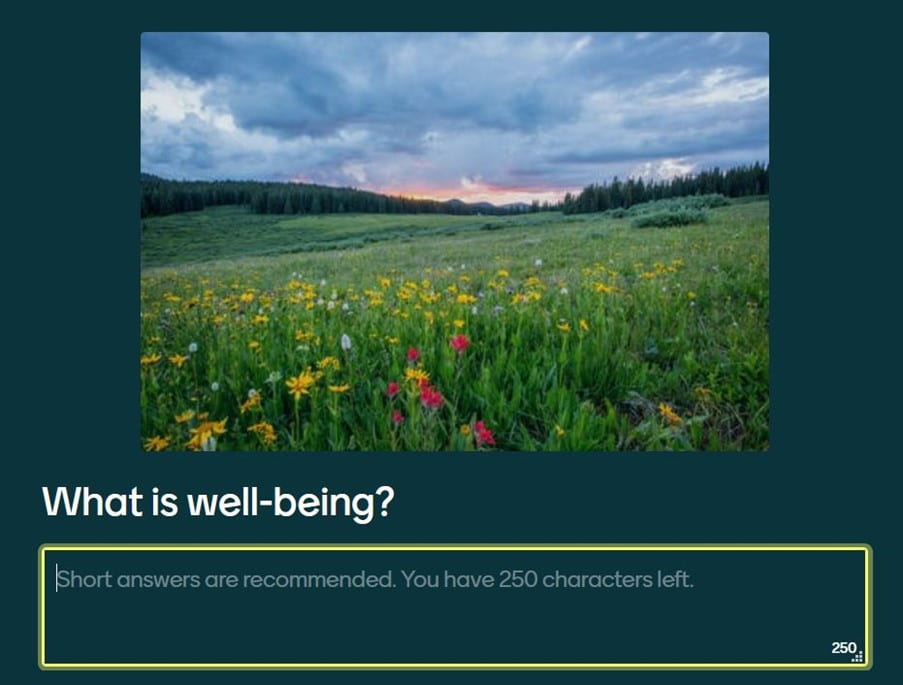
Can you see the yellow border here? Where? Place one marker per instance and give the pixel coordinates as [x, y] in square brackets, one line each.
[467, 547]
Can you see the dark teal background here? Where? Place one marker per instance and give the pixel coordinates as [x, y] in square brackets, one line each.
[743, 607]
[71, 329]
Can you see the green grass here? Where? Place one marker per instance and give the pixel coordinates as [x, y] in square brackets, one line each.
[233, 231]
[676, 320]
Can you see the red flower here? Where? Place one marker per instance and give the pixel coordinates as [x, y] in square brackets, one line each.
[413, 354]
[460, 343]
[430, 398]
[423, 383]
[392, 390]
[482, 434]
[397, 417]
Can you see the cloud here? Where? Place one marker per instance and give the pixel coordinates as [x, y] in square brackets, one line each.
[510, 112]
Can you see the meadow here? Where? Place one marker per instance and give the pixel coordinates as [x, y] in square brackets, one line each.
[437, 332]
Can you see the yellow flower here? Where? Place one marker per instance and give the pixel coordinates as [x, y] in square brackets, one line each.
[459, 323]
[338, 389]
[184, 417]
[502, 273]
[301, 384]
[416, 374]
[393, 341]
[465, 430]
[148, 359]
[385, 283]
[156, 444]
[254, 399]
[603, 288]
[260, 318]
[691, 295]
[669, 414]
[178, 359]
[559, 431]
[583, 325]
[201, 435]
[264, 431]
[328, 362]
[253, 345]
[304, 336]
[247, 296]
[464, 298]
[563, 326]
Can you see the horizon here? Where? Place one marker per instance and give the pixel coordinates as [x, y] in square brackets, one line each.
[488, 117]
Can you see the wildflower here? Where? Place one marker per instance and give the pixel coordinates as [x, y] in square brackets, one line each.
[564, 291]
[464, 298]
[327, 363]
[203, 435]
[185, 416]
[563, 326]
[252, 402]
[264, 431]
[392, 390]
[416, 374]
[214, 386]
[178, 359]
[413, 355]
[502, 273]
[346, 342]
[301, 384]
[345, 307]
[192, 348]
[338, 389]
[669, 414]
[459, 323]
[465, 430]
[474, 310]
[691, 295]
[260, 318]
[392, 340]
[559, 431]
[483, 435]
[537, 263]
[274, 377]
[430, 397]
[247, 297]
[459, 343]
[253, 345]
[397, 417]
[148, 359]
[583, 325]
[156, 444]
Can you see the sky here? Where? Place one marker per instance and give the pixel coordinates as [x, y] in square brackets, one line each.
[498, 117]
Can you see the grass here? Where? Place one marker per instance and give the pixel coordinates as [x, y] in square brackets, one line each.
[232, 231]
[618, 340]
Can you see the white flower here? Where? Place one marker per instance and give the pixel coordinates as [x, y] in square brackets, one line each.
[192, 348]
[564, 291]
[334, 295]
[252, 393]
[474, 310]
[214, 386]
[209, 445]
[330, 304]
[274, 377]
[320, 302]
[322, 282]
[345, 307]
[346, 342]
[537, 263]
[463, 267]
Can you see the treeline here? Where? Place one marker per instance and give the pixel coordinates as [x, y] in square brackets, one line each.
[736, 182]
[161, 196]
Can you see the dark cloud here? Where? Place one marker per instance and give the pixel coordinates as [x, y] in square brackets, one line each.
[428, 110]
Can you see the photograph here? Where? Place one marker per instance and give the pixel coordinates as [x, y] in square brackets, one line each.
[422, 242]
